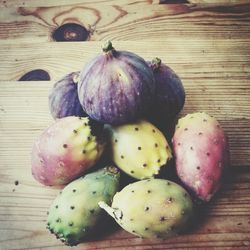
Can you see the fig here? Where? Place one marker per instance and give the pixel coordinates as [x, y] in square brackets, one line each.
[116, 87]
[63, 99]
[170, 94]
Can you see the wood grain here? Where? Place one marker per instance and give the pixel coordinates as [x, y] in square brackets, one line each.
[194, 59]
[48, 3]
[138, 21]
[207, 44]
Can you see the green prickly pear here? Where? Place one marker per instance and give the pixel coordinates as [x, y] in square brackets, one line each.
[161, 208]
[75, 211]
[139, 149]
[201, 151]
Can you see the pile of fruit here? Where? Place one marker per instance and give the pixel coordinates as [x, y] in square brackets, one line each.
[116, 114]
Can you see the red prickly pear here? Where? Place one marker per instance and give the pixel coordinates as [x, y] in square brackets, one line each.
[201, 151]
[65, 150]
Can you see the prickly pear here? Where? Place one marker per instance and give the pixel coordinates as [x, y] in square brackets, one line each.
[139, 149]
[75, 212]
[160, 209]
[201, 151]
[66, 149]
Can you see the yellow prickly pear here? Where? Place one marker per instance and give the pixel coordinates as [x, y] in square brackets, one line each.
[139, 149]
[161, 208]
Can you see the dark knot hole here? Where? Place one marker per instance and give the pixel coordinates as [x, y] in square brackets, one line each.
[70, 32]
[36, 75]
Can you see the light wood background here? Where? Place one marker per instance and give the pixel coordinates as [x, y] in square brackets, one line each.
[207, 44]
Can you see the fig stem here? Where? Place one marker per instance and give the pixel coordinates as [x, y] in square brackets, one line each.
[107, 46]
[156, 63]
[76, 78]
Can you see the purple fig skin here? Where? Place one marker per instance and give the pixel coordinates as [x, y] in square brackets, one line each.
[116, 87]
[170, 94]
[202, 154]
[63, 99]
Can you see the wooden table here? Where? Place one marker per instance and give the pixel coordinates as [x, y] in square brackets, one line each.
[206, 44]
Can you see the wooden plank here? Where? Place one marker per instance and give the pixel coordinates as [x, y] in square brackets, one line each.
[207, 46]
[137, 21]
[48, 3]
[193, 59]
[24, 114]
[225, 224]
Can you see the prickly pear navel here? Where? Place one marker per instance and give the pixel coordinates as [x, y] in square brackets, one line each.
[170, 200]
[162, 218]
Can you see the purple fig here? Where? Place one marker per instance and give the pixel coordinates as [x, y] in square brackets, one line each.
[116, 87]
[170, 94]
[63, 99]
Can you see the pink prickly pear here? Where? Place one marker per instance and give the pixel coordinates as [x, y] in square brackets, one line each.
[65, 150]
[201, 150]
